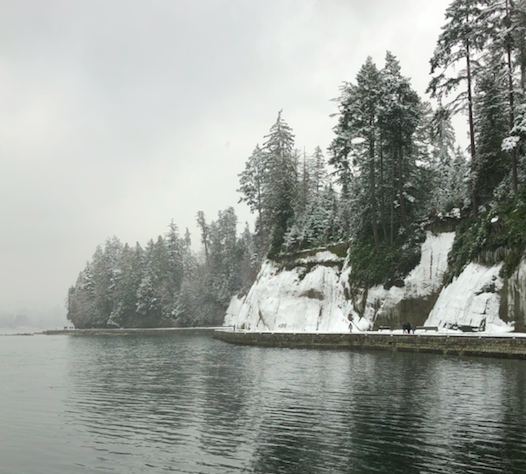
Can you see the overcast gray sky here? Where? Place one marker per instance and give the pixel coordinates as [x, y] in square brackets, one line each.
[117, 116]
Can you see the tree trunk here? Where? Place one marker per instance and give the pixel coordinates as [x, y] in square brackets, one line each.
[471, 131]
[391, 240]
[401, 186]
[513, 154]
[382, 194]
[373, 198]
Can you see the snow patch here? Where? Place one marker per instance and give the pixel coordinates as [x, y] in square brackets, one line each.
[292, 300]
[320, 257]
[472, 299]
[427, 276]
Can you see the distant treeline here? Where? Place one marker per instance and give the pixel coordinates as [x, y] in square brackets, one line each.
[163, 284]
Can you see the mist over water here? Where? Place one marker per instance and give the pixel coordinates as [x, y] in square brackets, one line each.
[187, 403]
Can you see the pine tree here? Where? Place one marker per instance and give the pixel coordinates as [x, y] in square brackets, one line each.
[462, 37]
[357, 140]
[81, 309]
[448, 165]
[318, 170]
[282, 184]
[507, 48]
[399, 119]
[124, 312]
[491, 128]
[253, 187]
[155, 301]
[201, 222]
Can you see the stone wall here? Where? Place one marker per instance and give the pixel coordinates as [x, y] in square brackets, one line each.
[472, 345]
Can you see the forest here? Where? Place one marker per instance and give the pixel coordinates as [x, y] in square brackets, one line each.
[392, 170]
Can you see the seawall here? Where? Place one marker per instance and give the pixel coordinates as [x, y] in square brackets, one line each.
[509, 346]
[126, 331]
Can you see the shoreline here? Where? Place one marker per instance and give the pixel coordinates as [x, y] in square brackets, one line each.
[506, 345]
[125, 331]
[500, 345]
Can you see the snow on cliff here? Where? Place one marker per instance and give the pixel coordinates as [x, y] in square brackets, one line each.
[472, 299]
[312, 296]
[424, 280]
[293, 300]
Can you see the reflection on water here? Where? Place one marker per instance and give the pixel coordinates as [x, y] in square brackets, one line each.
[190, 404]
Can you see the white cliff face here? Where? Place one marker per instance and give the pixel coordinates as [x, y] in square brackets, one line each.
[292, 301]
[427, 277]
[472, 299]
[312, 297]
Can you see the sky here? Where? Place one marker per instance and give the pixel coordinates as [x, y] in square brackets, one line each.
[117, 116]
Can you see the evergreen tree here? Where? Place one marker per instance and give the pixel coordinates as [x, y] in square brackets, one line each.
[357, 140]
[124, 312]
[221, 278]
[81, 302]
[201, 222]
[506, 42]
[462, 37]
[491, 128]
[318, 170]
[152, 298]
[448, 165]
[398, 121]
[282, 185]
[254, 181]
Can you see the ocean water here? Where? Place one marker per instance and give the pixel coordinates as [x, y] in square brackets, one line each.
[186, 403]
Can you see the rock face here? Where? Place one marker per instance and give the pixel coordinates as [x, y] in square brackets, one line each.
[415, 299]
[472, 299]
[296, 299]
[312, 295]
[513, 299]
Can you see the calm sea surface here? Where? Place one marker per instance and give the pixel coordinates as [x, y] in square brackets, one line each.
[187, 403]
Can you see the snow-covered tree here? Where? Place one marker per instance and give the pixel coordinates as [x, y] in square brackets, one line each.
[461, 41]
[356, 143]
[269, 186]
[282, 185]
[399, 118]
[254, 182]
[448, 165]
[491, 128]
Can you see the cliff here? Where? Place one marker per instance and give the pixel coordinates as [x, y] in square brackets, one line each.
[311, 294]
[308, 297]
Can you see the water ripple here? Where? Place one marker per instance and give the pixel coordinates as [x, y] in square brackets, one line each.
[189, 404]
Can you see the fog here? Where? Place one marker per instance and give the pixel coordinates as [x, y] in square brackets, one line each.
[117, 117]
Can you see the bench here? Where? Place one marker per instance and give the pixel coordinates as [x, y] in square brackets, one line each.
[469, 328]
[384, 328]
